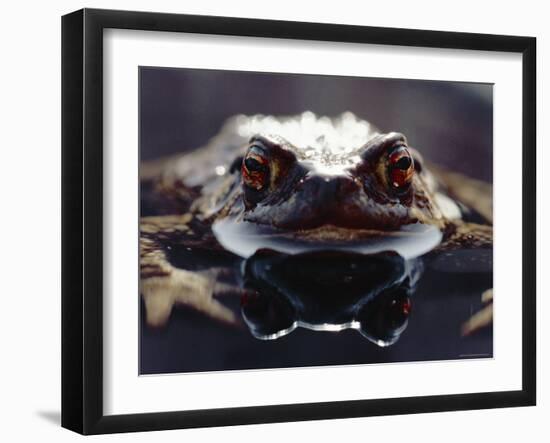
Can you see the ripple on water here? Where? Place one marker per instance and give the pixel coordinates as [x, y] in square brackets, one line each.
[244, 239]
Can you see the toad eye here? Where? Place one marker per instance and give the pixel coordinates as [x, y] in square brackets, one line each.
[255, 168]
[400, 168]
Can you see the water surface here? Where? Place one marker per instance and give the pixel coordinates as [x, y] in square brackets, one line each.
[434, 297]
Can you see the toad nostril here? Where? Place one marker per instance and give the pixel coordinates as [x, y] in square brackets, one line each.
[344, 186]
[330, 189]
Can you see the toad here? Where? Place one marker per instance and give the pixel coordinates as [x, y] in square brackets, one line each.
[294, 185]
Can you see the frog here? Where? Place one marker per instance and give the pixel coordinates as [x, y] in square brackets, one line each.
[296, 184]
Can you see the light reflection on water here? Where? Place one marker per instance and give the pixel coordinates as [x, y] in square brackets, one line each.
[244, 239]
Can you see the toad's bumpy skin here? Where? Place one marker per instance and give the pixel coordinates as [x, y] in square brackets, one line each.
[313, 177]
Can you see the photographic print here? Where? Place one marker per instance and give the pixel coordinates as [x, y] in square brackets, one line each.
[292, 220]
[272, 221]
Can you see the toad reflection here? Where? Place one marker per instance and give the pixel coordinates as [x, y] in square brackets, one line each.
[329, 291]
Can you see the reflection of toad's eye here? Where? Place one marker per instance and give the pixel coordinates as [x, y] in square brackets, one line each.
[400, 168]
[255, 169]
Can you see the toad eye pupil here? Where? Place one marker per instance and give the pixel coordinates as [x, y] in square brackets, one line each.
[255, 171]
[401, 169]
[403, 163]
[253, 165]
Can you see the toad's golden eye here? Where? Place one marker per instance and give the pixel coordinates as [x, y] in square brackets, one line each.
[255, 169]
[400, 168]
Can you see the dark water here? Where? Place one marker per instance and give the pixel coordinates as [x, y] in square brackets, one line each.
[418, 305]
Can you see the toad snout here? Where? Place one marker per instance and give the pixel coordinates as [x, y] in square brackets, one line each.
[337, 200]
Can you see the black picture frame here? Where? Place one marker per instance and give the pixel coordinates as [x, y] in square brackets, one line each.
[82, 218]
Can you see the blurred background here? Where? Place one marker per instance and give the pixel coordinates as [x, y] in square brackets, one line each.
[451, 123]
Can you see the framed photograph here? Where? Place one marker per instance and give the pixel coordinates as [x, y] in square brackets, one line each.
[270, 221]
